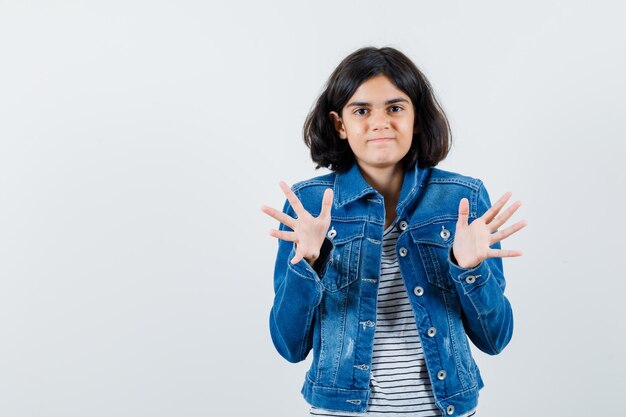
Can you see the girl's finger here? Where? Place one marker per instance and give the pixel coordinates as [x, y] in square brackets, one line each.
[283, 235]
[506, 215]
[284, 218]
[327, 203]
[504, 233]
[463, 212]
[293, 199]
[296, 258]
[493, 210]
[503, 253]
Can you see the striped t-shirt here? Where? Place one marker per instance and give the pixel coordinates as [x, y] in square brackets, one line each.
[399, 381]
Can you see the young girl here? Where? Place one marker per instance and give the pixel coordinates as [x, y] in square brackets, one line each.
[387, 265]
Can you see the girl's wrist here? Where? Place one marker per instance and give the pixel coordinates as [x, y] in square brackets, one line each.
[311, 260]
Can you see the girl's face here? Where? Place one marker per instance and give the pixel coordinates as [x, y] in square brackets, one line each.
[377, 122]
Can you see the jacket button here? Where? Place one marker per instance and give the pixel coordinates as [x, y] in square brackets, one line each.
[332, 233]
[432, 332]
[403, 252]
[441, 375]
[445, 233]
[403, 225]
[419, 291]
[450, 409]
[470, 279]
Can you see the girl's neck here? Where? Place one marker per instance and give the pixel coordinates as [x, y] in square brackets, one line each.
[388, 182]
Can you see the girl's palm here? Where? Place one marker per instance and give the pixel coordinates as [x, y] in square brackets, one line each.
[472, 241]
[308, 232]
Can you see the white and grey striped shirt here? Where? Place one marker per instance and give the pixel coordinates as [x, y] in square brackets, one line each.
[399, 380]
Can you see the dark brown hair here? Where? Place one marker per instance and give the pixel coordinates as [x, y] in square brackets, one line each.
[432, 138]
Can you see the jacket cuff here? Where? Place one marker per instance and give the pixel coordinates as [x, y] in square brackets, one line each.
[467, 279]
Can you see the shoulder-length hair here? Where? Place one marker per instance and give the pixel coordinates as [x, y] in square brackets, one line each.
[432, 138]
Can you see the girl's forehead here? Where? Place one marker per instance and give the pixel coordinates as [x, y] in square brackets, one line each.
[377, 90]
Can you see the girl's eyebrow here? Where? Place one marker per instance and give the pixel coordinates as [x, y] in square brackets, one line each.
[366, 104]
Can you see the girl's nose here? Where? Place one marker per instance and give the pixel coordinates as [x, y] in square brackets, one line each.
[379, 120]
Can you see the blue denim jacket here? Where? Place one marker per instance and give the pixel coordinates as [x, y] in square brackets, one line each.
[331, 309]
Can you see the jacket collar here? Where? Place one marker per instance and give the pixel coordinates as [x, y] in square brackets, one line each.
[351, 185]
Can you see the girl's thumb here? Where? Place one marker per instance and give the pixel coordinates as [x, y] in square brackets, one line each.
[463, 211]
[327, 201]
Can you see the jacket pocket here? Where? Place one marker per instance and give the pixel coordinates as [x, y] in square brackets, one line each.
[343, 265]
[434, 242]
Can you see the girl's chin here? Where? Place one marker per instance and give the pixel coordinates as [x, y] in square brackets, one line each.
[380, 163]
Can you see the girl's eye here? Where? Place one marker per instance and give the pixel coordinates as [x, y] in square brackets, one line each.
[362, 111]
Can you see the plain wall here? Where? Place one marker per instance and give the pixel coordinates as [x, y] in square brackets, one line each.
[138, 140]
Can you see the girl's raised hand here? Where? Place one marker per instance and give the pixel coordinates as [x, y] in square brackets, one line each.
[308, 232]
[472, 241]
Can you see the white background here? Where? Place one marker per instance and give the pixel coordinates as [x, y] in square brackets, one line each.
[138, 140]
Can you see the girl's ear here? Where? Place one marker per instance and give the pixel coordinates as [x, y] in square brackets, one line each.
[338, 124]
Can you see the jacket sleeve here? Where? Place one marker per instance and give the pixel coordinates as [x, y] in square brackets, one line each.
[297, 293]
[488, 317]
